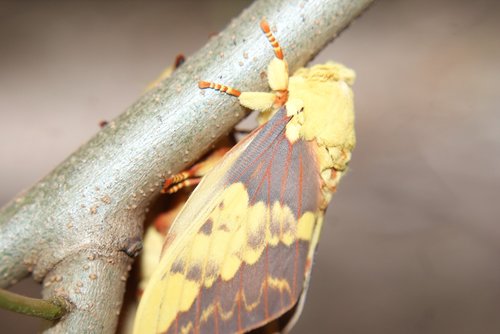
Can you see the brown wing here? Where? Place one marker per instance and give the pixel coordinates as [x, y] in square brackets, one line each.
[242, 258]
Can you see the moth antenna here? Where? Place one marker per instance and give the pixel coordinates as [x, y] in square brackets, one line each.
[219, 87]
[270, 37]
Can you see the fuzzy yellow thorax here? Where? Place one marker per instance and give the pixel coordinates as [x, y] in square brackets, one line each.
[328, 108]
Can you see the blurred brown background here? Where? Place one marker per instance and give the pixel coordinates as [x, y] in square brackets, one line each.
[410, 243]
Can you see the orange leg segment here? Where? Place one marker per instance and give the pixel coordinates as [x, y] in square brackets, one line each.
[178, 181]
[178, 186]
[193, 175]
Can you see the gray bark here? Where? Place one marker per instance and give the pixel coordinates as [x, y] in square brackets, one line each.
[74, 228]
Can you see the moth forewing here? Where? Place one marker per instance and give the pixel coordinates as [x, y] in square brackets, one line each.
[240, 252]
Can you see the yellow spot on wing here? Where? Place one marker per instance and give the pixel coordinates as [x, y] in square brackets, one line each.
[234, 207]
[230, 267]
[258, 214]
[279, 284]
[283, 225]
[199, 248]
[305, 227]
[217, 254]
[173, 293]
[232, 216]
[252, 255]
[187, 328]
[255, 228]
[179, 291]
[191, 290]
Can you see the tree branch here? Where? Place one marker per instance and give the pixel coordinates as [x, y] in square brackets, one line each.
[45, 309]
[80, 222]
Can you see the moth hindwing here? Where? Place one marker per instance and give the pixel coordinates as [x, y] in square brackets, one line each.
[239, 253]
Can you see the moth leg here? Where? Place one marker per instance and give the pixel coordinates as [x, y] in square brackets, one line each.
[277, 73]
[174, 180]
[182, 179]
[171, 189]
[251, 100]
[193, 175]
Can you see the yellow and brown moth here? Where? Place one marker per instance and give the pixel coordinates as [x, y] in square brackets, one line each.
[239, 253]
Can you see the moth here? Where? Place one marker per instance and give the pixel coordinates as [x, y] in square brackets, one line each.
[239, 254]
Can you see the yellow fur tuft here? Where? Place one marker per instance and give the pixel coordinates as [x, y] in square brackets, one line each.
[277, 73]
[257, 100]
